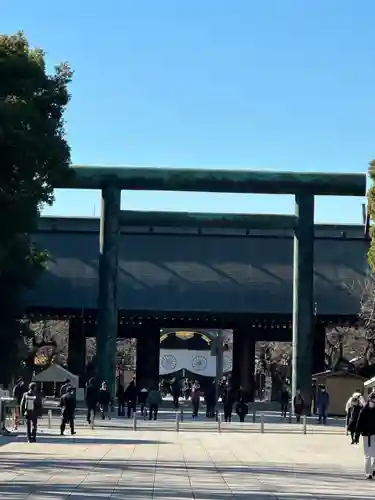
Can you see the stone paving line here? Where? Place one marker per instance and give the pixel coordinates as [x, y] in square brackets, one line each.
[110, 463]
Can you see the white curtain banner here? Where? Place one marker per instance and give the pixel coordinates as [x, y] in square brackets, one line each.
[199, 362]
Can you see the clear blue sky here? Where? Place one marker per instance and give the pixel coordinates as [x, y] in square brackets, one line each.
[284, 85]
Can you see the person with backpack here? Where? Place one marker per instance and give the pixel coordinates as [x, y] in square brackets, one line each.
[31, 406]
[68, 407]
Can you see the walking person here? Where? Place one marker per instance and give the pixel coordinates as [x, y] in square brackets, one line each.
[68, 407]
[352, 417]
[154, 400]
[105, 401]
[356, 394]
[18, 392]
[284, 402]
[185, 387]
[31, 407]
[322, 405]
[228, 398]
[242, 408]
[196, 398]
[366, 428]
[92, 399]
[298, 405]
[176, 391]
[130, 397]
[142, 398]
[210, 398]
[120, 395]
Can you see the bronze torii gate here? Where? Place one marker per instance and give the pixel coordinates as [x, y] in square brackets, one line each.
[111, 180]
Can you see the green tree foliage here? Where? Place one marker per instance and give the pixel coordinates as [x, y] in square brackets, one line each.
[34, 157]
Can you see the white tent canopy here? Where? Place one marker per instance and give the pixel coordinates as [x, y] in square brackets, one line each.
[370, 384]
[56, 373]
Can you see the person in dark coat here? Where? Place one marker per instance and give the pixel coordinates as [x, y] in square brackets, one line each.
[210, 398]
[242, 408]
[284, 401]
[196, 398]
[92, 400]
[352, 417]
[153, 402]
[120, 395]
[68, 407]
[176, 392]
[298, 405]
[228, 402]
[322, 404]
[366, 428]
[130, 396]
[31, 407]
[105, 401]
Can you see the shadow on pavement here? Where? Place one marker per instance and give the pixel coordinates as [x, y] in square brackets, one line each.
[4, 440]
[77, 439]
[24, 461]
[143, 491]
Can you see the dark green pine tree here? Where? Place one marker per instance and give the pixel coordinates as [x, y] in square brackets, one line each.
[34, 156]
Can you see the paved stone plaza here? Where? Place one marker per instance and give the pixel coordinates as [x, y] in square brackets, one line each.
[111, 462]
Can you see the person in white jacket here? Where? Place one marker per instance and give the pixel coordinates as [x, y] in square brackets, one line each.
[358, 395]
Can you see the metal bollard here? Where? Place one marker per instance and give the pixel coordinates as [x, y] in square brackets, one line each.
[2, 417]
[304, 421]
[254, 416]
[181, 415]
[49, 419]
[290, 416]
[15, 419]
[262, 423]
[219, 422]
[135, 421]
[177, 422]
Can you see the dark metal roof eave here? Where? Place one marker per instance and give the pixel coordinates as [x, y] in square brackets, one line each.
[206, 220]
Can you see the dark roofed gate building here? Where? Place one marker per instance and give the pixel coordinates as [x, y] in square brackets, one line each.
[213, 277]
